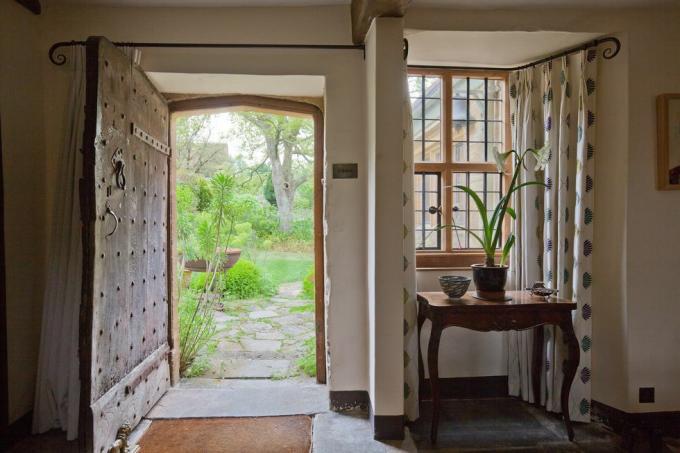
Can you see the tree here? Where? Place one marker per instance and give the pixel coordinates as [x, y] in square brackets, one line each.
[198, 152]
[285, 144]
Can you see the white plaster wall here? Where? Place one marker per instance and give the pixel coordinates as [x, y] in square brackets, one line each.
[637, 248]
[345, 203]
[25, 190]
[384, 72]
[463, 352]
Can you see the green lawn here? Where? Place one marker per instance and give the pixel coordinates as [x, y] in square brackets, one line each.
[283, 267]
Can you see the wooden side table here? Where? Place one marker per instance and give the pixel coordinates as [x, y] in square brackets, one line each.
[523, 312]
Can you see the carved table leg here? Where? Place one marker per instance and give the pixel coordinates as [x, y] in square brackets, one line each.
[537, 364]
[570, 366]
[433, 368]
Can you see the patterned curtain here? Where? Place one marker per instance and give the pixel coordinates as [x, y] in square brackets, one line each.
[555, 224]
[410, 309]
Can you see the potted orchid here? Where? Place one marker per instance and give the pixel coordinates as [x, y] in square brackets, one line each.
[490, 277]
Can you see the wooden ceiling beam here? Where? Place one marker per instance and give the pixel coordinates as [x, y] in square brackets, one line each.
[364, 11]
[31, 5]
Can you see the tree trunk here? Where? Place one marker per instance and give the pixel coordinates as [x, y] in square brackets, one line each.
[285, 194]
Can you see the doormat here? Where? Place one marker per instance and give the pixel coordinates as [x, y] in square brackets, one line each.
[226, 435]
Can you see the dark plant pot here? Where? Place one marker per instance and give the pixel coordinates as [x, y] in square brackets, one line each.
[490, 281]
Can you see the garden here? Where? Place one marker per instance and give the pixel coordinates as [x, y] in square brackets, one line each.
[244, 194]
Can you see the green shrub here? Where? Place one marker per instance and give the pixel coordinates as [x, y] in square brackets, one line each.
[197, 282]
[308, 285]
[201, 188]
[245, 281]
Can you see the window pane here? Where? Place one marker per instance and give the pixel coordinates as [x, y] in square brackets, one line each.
[432, 130]
[476, 131]
[459, 151]
[477, 151]
[433, 109]
[495, 131]
[433, 87]
[433, 152]
[426, 101]
[432, 184]
[427, 194]
[475, 221]
[459, 131]
[495, 89]
[494, 110]
[460, 200]
[459, 88]
[416, 108]
[417, 129]
[477, 110]
[476, 182]
[466, 213]
[476, 88]
[459, 109]
[415, 85]
[493, 182]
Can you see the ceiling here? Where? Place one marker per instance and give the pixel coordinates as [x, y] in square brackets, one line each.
[497, 49]
[520, 4]
[263, 85]
[202, 3]
[462, 4]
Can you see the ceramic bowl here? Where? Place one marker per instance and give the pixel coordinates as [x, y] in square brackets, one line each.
[455, 286]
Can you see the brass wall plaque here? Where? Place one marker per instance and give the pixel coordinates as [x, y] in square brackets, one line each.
[345, 171]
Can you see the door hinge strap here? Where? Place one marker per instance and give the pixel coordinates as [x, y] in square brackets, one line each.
[149, 139]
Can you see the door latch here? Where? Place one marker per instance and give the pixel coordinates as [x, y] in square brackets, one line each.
[119, 168]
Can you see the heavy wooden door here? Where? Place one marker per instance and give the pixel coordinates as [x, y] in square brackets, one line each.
[124, 346]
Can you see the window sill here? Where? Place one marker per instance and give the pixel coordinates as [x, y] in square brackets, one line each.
[442, 261]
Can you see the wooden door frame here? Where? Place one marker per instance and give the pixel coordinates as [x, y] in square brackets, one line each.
[4, 365]
[200, 105]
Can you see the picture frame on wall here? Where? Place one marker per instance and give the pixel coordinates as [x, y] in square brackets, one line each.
[668, 126]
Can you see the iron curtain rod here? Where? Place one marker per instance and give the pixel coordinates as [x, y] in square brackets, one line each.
[59, 58]
[608, 53]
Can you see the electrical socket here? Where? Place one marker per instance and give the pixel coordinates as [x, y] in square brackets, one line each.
[646, 394]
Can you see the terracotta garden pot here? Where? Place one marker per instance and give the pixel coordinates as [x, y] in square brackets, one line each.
[228, 258]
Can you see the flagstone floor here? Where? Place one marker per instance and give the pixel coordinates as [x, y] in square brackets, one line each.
[263, 339]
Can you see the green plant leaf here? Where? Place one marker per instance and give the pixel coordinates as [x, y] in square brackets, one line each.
[512, 213]
[506, 249]
[481, 207]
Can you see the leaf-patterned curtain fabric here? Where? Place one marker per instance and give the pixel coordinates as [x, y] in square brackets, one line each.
[555, 104]
[409, 280]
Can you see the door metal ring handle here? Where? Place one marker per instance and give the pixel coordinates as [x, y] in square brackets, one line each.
[109, 211]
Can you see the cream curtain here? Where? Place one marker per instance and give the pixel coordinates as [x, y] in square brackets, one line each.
[410, 309]
[58, 387]
[555, 104]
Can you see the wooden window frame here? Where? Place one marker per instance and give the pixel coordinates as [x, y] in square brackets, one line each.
[448, 258]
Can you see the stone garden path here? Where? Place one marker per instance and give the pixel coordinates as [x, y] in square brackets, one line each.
[262, 338]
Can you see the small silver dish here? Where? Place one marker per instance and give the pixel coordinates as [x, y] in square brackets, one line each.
[539, 290]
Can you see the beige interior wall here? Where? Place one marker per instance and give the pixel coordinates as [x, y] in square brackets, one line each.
[344, 120]
[637, 248]
[384, 77]
[35, 90]
[25, 188]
